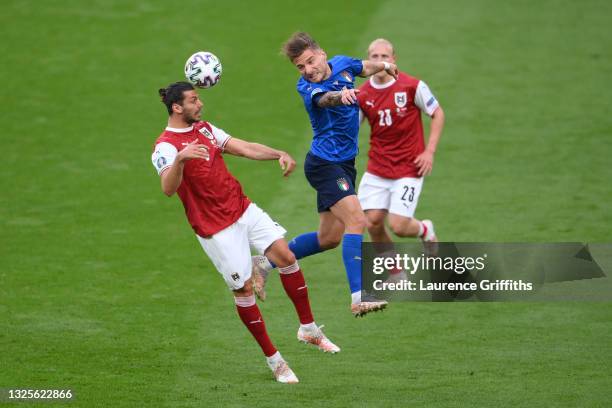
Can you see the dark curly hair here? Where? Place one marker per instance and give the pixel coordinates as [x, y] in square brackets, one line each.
[174, 93]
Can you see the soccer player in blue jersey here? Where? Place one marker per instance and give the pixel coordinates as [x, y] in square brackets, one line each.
[327, 89]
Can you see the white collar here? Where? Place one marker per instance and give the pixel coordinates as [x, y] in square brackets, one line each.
[179, 130]
[381, 86]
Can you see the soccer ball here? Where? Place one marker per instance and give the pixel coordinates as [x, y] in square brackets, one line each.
[203, 69]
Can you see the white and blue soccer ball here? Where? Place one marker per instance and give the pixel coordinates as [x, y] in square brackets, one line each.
[203, 69]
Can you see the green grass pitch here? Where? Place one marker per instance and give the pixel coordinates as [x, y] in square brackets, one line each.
[104, 289]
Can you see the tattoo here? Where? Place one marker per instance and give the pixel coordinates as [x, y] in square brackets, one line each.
[329, 99]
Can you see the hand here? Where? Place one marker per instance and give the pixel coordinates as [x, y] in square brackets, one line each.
[193, 150]
[287, 163]
[424, 162]
[392, 70]
[348, 96]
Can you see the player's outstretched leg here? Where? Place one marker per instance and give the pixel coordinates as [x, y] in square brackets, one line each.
[251, 317]
[348, 210]
[295, 286]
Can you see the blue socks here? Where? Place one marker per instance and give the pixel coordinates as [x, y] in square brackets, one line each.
[305, 245]
[308, 244]
[351, 255]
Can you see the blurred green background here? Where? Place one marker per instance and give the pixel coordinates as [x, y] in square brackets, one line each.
[104, 289]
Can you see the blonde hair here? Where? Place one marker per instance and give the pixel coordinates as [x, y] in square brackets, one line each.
[381, 41]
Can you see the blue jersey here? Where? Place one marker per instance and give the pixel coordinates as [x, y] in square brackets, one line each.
[335, 129]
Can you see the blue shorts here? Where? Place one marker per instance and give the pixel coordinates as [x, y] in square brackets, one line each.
[332, 180]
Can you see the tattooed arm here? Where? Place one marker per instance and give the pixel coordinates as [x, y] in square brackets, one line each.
[336, 98]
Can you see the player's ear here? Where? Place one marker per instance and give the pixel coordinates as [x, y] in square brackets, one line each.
[177, 108]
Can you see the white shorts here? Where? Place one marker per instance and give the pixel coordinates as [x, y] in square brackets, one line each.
[398, 196]
[230, 249]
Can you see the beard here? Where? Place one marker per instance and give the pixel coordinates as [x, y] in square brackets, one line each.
[190, 118]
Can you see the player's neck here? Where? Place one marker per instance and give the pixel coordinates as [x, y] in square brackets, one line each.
[327, 73]
[177, 123]
[382, 80]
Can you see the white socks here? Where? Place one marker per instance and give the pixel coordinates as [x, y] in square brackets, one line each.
[274, 359]
[265, 264]
[421, 230]
[309, 326]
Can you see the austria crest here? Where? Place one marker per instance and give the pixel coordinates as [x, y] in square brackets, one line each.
[401, 98]
[343, 184]
[208, 135]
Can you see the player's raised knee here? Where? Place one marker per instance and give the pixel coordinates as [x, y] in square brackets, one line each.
[280, 254]
[375, 223]
[285, 258]
[330, 241]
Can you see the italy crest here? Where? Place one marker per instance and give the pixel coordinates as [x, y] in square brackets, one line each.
[343, 184]
[347, 76]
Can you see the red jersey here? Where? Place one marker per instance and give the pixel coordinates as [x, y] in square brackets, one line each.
[212, 197]
[394, 112]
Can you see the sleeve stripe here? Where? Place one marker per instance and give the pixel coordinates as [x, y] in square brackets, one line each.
[225, 142]
[164, 169]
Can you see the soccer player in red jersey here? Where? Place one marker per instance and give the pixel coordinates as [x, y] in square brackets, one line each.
[188, 156]
[398, 158]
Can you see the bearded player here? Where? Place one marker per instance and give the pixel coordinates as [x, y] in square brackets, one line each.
[188, 156]
[398, 158]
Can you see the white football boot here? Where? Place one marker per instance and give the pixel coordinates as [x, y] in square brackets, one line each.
[430, 236]
[430, 240]
[317, 338]
[261, 268]
[367, 304]
[281, 370]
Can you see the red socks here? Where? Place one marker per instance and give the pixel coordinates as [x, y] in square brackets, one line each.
[251, 317]
[295, 286]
